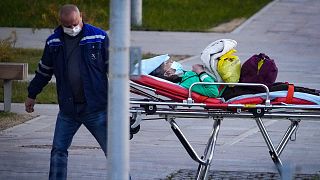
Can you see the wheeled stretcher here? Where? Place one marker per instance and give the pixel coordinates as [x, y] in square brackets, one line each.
[155, 98]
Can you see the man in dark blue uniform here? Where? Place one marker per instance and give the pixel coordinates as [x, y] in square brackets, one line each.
[77, 55]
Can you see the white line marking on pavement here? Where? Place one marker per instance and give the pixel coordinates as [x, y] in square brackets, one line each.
[247, 133]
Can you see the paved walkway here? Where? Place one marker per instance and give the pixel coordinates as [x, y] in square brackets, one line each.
[286, 30]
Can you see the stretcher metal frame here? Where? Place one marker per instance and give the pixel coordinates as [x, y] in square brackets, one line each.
[161, 108]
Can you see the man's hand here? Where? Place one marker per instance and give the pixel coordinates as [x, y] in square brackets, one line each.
[29, 104]
[197, 68]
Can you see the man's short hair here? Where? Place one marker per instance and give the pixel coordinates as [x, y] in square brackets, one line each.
[67, 9]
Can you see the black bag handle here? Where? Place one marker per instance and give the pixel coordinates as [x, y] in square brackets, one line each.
[263, 56]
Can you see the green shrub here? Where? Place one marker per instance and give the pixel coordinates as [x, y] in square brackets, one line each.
[5, 51]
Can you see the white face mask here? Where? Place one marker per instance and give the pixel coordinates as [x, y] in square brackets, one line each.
[72, 31]
[178, 67]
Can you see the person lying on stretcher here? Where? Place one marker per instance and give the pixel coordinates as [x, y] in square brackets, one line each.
[173, 71]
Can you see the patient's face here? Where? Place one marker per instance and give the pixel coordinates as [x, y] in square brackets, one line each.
[165, 71]
[169, 73]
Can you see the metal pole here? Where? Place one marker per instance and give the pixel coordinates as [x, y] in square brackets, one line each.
[136, 12]
[7, 95]
[118, 104]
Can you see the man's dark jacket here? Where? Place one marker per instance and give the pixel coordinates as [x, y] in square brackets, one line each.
[93, 67]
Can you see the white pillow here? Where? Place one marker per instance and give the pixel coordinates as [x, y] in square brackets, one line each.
[148, 65]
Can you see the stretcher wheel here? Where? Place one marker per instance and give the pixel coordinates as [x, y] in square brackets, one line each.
[150, 109]
[258, 112]
[134, 130]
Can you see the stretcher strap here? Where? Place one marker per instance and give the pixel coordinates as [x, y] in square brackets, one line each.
[290, 93]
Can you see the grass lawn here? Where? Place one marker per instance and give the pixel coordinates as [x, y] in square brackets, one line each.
[19, 55]
[162, 15]
[19, 93]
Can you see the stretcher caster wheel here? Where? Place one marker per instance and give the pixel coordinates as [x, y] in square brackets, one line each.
[150, 109]
[134, 130]
[258, 112]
